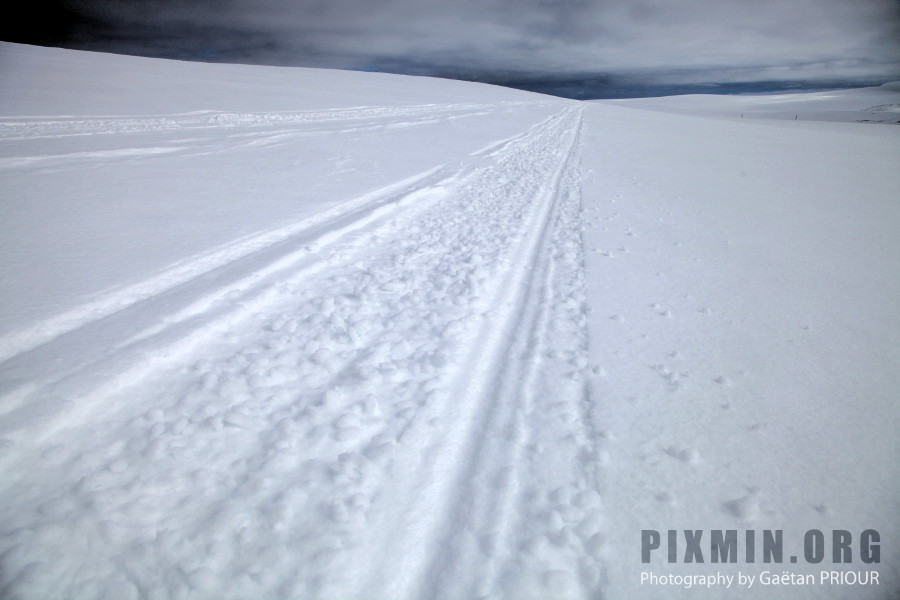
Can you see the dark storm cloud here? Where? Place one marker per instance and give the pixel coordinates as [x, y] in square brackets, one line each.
[715, 40]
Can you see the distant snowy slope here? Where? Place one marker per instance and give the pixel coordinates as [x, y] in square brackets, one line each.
[871, 105]
[52, 81]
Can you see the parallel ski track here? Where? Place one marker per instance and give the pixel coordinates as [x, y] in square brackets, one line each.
[360, 390]
[347, 215]
[191, 292]
[242, 269]
[536, 369]
[462, 501]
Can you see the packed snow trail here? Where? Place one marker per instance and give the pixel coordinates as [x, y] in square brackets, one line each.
[383, 404]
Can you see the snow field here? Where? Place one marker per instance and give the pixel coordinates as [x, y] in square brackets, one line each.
[743, 297]
[290, 333]
[22, 128]
[56, 82]
[221, 164]
[866, 105]
[341, 401]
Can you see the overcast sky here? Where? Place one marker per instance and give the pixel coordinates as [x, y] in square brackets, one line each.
[662, 41]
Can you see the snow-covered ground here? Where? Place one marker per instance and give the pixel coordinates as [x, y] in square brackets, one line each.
[294, 333]
[866, 105]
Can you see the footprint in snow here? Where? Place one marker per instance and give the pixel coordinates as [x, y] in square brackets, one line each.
[746, 508]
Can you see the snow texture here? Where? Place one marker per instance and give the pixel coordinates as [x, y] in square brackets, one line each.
[294, 333]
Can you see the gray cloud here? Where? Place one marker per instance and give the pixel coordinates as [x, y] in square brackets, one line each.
[712, 40]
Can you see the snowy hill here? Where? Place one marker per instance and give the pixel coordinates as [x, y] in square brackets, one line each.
[866, 105]
[52, 81]
[297, 333]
